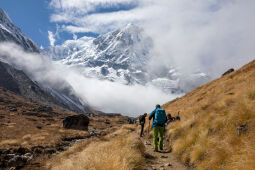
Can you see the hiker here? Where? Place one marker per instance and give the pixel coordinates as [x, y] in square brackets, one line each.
[131, 121]
[159, 120]
[177, 117]
[142, 122]
[169, 118]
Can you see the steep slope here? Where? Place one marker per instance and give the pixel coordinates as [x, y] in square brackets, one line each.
[123, 56]
[31, 133]
[9, 32]
[217, 127]
[18, 82]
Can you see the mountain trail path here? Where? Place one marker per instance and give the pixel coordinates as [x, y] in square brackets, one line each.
[163, 160]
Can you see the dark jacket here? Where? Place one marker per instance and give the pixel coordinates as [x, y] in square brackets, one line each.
[142, 119]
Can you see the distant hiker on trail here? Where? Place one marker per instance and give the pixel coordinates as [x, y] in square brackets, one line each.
[177, 117]
[159, 120]
[142, 122]
[169, 118]
[131, 121]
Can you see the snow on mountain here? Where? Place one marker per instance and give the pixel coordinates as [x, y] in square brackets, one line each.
[9, 32]
[116, 56]
[64, 97]
[121, 56]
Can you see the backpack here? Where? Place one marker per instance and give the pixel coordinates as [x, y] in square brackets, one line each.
[141, 120]
[160, 116]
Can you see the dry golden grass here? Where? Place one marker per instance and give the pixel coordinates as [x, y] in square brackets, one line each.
[20, 129]
[207, 136]
[9, 142]
[32, 131]
[120, 150]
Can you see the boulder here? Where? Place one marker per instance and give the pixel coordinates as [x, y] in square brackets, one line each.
[229, 71]
[13, 109]
[78, 122]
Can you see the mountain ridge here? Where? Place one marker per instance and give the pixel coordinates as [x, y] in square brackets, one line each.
[9, 32]
[22, 81]
[18, 82]
[123, 56]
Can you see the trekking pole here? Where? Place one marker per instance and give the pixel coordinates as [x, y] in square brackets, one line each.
[149, 127]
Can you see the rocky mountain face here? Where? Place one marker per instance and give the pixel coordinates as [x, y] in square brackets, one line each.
[117, 56]
[9, 32]
[122, 56]
[20, 83]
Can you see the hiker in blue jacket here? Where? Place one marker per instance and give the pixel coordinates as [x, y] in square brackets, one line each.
[159, 120]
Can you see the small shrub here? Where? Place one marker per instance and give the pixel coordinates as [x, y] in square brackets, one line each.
[251, 95]
[229, 102]
[27, 137]
[204, 106]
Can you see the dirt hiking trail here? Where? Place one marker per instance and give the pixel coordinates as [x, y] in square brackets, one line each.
[163, 160]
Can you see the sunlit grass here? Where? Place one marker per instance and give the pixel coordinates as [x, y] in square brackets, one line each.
[207, 136]
[120, 150]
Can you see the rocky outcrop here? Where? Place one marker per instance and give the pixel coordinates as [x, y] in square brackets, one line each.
[18, 82]
[15, 157]
[78, 122]
[229, 71]
[9, 32]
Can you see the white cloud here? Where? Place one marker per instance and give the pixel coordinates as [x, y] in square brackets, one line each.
[51, 38]
[101, 22]
[85, 15]
[210, 34]
[86, 6]
[103, 95]
[205, 34]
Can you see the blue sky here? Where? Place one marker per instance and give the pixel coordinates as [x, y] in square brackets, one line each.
[32, 17]
[184, 31]
[36, 17]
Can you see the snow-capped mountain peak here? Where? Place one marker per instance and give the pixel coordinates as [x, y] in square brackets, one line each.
[120, 56]
[64, 97]
[115, 56]
[4, 19]
[9, 32]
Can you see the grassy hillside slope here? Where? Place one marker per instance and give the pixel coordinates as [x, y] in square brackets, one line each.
[122, 150]
[217, 127]
[31, 128]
